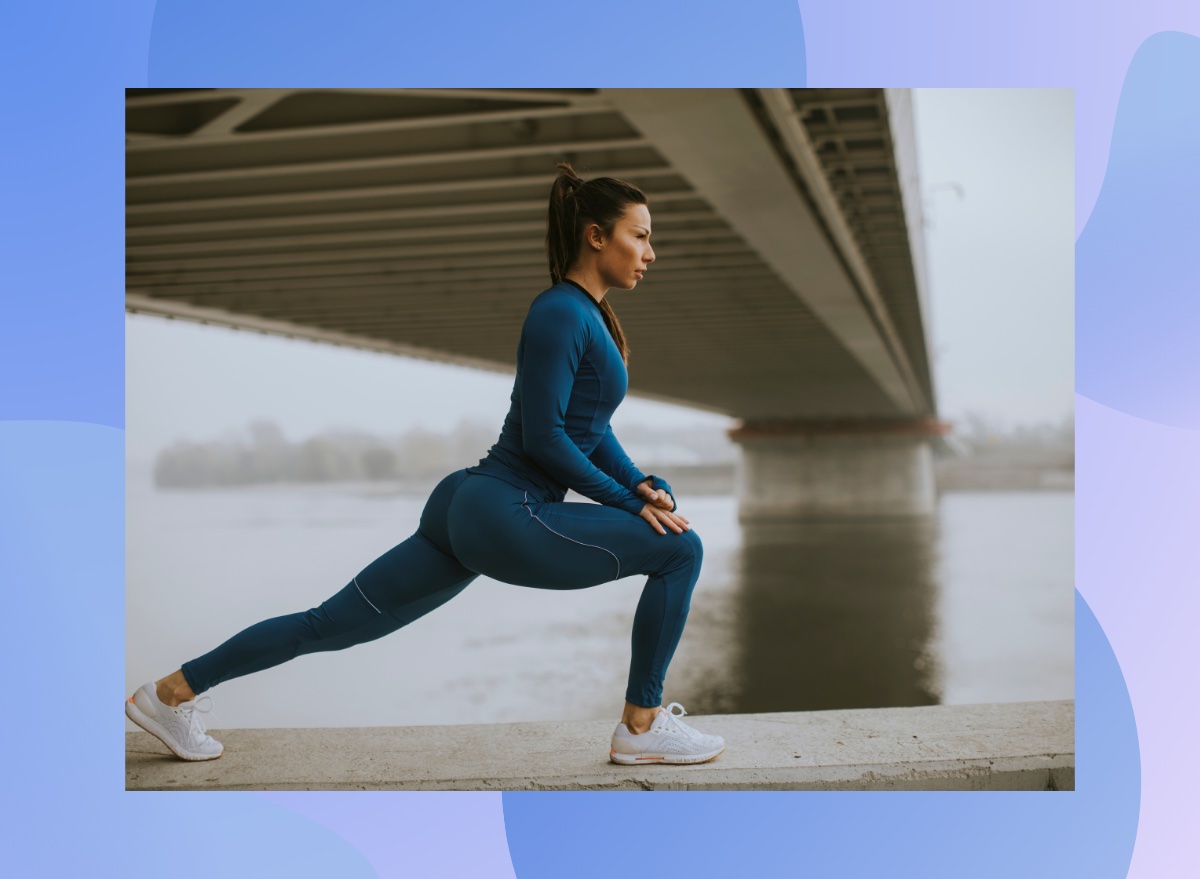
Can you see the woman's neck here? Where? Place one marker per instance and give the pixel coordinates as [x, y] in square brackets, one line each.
[588, 281]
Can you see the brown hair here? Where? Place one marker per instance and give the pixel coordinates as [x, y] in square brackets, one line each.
[574, 205]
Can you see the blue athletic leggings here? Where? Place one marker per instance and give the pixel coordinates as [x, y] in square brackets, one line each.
[475, 524]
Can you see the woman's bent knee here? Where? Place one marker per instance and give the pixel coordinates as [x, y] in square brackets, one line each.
[687, 552]
[694, 547]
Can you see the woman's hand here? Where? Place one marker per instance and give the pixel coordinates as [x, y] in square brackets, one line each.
[658, 517]
[657, 497]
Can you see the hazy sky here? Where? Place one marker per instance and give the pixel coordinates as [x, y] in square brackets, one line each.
[1001, 293]
[1002, 258]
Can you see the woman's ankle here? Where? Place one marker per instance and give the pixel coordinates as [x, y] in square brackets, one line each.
[174, 689]
[637, 718]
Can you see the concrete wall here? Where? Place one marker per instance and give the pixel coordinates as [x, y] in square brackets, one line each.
[1011, 746]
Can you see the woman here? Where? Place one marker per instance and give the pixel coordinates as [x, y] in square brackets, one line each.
[505, 518]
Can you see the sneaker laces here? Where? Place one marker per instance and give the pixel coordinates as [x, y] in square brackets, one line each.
[672, 723]
[192, 711]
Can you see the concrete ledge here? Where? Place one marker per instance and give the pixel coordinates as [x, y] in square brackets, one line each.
[1012, 746]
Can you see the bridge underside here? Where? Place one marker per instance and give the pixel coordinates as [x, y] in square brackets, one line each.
[788, 290]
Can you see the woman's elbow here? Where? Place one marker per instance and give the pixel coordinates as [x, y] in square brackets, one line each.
[536, 443]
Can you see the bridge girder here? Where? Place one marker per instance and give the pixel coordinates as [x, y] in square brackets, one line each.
[790, 276]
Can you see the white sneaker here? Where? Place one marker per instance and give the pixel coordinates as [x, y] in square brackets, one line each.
[669, 740]
[178, 727]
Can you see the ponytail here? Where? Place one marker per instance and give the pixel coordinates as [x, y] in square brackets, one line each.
[562, 244]
[576, 203]
[614, 329]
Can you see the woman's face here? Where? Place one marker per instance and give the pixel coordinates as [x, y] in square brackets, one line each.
[624, 256]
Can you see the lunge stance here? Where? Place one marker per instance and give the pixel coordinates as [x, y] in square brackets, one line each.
[505, 518]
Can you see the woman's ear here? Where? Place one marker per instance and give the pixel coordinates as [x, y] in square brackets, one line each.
[594, 236]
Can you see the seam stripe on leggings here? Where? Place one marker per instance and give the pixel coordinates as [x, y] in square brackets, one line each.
[364, 595]
[573, 540]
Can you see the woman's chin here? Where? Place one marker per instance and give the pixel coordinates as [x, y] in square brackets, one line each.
[627, 284]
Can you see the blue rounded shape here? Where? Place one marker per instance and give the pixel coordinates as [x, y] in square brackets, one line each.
[1137, 306]
[61, 555]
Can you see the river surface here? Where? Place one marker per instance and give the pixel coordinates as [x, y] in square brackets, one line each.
[973, 605]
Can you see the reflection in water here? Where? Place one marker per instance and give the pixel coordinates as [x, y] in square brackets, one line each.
[833, 614]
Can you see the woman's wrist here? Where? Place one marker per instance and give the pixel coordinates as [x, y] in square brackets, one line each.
[655, 483]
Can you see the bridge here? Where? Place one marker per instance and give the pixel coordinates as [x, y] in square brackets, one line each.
[789, 289]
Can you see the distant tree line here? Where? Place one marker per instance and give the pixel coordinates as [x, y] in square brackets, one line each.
[982, 441]
[266, 456]
[981, 455]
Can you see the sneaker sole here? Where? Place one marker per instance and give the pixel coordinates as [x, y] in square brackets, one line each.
[155, 729]
[639, 759]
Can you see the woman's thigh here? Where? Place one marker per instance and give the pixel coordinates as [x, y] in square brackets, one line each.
[504, 533]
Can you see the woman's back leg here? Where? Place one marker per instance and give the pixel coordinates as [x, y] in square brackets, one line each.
[403, 584]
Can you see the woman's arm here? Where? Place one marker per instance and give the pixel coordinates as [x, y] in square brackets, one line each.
[610, 457]
[553, 341]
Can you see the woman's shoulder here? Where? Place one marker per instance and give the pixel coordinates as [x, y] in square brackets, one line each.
[559, 295]
[559, 304]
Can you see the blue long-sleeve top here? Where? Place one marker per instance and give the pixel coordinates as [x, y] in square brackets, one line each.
[570, 379]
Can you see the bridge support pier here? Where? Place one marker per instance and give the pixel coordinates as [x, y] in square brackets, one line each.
[836, 468]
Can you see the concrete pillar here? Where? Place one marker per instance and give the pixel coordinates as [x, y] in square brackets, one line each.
[836, 469]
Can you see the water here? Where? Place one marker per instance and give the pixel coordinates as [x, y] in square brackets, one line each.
[975, 605]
